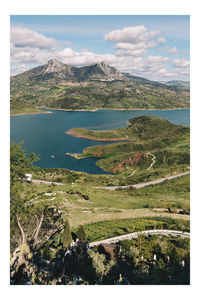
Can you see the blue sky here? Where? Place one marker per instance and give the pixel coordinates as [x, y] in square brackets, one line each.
[155, 47]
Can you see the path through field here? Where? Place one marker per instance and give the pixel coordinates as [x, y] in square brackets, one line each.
[153, 160]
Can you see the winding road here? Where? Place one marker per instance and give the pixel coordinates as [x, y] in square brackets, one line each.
[130, 236]
[113, 188]
[141, 185]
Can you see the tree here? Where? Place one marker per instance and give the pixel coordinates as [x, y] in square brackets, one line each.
[81, 235]
[176, 255]
[20, 163]
[31, 225]
[99, 263]
[67, 237]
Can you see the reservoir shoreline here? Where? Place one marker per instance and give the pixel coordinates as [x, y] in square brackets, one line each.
[117, 109]
[46, 135]
[93, 110]
[31, 113]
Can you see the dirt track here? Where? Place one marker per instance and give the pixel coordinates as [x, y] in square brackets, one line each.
[130, 236]
[141, 185]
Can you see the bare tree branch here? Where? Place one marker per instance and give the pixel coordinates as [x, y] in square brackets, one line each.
[34, 232]
[37, 231]
[21, 230]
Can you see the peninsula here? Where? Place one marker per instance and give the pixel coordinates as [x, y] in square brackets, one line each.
[145, 145]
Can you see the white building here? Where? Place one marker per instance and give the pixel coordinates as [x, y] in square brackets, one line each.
[28, 177]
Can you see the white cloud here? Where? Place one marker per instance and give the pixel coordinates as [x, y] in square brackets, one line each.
[130, 49]
[173, 50]
[181, 63]
[182, 66]
[30, 55]
[129, 46]
[16, 69]
[161, 40]
[157, 59]
[83, 57]
[67, 52]
[134, 40]
[132, 34]
[150, 67]
[24, 37]
[28, 46]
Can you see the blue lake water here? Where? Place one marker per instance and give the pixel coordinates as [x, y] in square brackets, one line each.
[45, 135]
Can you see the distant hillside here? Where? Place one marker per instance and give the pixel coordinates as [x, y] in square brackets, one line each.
[57, 85]
[178, 83]
[144, 80]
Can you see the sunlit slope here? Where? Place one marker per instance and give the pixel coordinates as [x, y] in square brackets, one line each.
[57, 85]
[147, 144]
[139, 129]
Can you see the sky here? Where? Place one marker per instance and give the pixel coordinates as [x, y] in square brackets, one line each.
[155, 47]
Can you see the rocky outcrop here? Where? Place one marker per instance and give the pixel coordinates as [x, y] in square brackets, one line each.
[60, 71]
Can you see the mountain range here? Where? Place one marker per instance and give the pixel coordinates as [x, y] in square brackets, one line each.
[58, 71]
[57, 85]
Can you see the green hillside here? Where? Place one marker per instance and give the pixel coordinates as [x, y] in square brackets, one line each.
[149, 146]
[56, 85]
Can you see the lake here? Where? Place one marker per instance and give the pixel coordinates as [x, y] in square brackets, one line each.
[45, 135]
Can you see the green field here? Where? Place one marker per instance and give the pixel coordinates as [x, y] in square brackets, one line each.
[82, 204]
[106, 229]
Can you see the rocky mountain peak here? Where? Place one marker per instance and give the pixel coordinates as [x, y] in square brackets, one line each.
[110, 72]
[56, 70]
[54, 61]
[54, 65]
[102, 64]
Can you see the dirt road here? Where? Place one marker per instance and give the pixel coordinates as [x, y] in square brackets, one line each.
[141, 185]
[130, 236]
